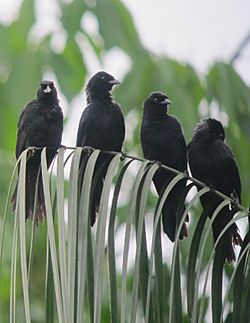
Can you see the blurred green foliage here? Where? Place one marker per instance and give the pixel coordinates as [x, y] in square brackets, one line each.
[23, 62]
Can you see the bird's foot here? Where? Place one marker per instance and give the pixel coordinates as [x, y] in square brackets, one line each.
[31, 151]
[64, 147]
[234, 202]
[123, 155]
[88, 150]
[212, 188]
[186, 173]
[157, 162]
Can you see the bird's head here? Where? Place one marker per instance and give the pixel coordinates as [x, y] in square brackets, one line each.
[100, 85]
[46, 90]
[210, 130]
[157, 103]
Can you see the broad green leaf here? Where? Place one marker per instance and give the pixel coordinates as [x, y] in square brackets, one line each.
[116, 26]
[69, 68]
[73, 9]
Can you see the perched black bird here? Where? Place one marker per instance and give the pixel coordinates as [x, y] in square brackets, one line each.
[212, 162]
[40, 125]
[101, 127]
[162, 140]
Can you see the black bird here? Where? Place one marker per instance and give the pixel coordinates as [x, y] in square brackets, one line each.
[212, 162]
[162, 140]
[40, 125]
[101, 127]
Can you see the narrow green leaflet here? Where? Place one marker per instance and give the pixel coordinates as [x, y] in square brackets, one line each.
[111, 247]
[100, 236]
[51, 236]
[131, 208]
[83, 228]
[22, 233]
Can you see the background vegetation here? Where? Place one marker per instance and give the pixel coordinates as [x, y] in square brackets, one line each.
[66, 54]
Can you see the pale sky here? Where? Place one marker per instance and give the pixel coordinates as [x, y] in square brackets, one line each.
[194, 31]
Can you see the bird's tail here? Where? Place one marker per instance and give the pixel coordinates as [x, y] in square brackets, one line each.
[230, 238]
[99, 174]
[100, 171]
[14, 199]
[96, 200]
[31, 198]
[169, 218]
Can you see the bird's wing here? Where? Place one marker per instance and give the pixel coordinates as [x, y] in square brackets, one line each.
[100, 128]
[82, 129]
[183, 146]
[230, 168]
[178, 146]
[21, 142]
[89, 127]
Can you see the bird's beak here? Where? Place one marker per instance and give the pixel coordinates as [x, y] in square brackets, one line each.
[166, 101]
[114, 82]
[47, 90]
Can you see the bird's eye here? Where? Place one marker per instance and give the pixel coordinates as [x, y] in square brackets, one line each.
[155, 99]
[103, 78]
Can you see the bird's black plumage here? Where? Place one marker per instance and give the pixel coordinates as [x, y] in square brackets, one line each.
[40, 125]
[211, 161]
[162, 140]
[101, 127]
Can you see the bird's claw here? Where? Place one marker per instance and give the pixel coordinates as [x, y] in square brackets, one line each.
[88, 150]
[234, 202]
[123, 155]
[186, 173]
[32, 151]
[63, 146]
[157, 162]
[211, 187]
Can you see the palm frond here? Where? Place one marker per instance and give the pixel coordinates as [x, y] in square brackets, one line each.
[77, 261]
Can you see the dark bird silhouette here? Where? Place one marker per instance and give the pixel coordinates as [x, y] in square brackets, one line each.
[101, 127]
[212, 162]
[162, 140]
[40, 125]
